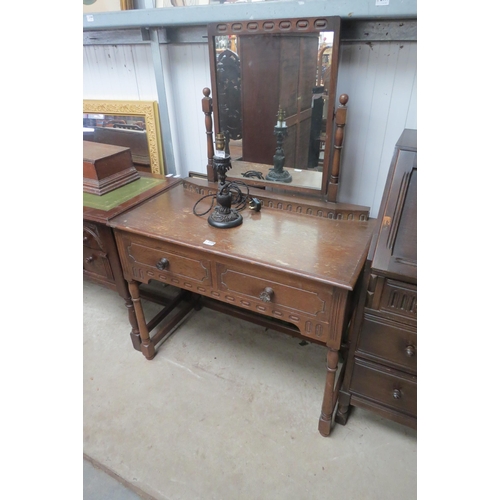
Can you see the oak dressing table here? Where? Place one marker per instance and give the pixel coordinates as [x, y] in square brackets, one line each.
[255, 268]
[294, 265]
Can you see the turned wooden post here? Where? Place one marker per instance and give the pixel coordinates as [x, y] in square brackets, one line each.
[338, 140]
[325, 420]
[134, 334]
[147, 348]
[206, 105]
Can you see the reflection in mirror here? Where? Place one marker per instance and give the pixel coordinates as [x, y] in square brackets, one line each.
[301, 94]
[132, 124]
[126, 131]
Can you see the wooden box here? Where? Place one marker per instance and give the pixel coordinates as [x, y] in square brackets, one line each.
[106, 167]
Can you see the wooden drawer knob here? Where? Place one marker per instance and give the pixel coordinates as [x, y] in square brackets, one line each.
[396, 394]
[89, 259]
[410, 351]
[162, 264]
[267, 294]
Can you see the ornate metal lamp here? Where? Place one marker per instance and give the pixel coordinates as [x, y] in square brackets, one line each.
[223, 216]
[280, 131]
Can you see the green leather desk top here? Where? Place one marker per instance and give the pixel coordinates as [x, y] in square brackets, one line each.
[118, 196]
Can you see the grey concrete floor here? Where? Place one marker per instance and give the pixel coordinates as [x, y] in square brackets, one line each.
[226, 410]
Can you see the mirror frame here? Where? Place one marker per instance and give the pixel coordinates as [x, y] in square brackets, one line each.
[329, 182]
[146, 109]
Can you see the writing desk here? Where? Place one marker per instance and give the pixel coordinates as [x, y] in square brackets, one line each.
[297, 269]
[101, 263]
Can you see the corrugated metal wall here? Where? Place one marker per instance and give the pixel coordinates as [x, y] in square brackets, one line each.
[380, 79]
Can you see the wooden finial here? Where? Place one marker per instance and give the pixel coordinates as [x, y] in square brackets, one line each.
[343, 99]
[206, 92]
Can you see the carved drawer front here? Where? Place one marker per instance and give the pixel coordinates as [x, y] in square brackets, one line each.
[91, 237]
[388, 341]
[278, 296]
[95, 258]
[384, 386]
[147, 259]
[96, 262]
[399, 298]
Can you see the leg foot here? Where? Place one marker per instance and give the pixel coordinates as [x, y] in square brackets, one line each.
[147, 347]
[134, 334]
[325, 420]
[343, 409]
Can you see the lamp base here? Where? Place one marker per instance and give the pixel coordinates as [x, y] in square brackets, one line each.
[222, 218]
[283, 176]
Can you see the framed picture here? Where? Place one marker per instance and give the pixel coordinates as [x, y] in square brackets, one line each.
[144, 112]
[91, 6]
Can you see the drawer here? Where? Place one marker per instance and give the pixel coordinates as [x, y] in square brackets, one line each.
[270, 290]
[399, 298]
[97, 263]
[144, 259]
[92, 238]
[298, 301]
[390, 388]
[388, 341]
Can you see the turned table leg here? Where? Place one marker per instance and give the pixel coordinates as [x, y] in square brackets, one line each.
[147, 348]
[134, 334]
[343, 409]
[329, 398]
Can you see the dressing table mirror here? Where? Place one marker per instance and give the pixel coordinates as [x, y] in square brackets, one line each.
[132, 124]
[274, 88]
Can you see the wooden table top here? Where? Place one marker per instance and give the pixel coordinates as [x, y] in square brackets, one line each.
[329, 251]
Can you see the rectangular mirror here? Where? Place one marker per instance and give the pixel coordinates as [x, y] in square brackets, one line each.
[132, 124]
[261, 67]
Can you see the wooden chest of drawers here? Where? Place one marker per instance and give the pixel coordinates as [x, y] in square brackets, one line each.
[381, 370]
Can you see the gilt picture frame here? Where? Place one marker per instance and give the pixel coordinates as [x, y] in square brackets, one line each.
[147, 111]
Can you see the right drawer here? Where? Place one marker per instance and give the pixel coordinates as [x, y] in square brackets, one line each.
[387, 387]
[388, 341]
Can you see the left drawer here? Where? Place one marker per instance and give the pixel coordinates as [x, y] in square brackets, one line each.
[96, 262]
[144, 259]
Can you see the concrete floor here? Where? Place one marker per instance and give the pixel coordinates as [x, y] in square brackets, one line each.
[226, 410]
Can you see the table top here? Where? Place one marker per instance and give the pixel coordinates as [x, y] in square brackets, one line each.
[325, 250]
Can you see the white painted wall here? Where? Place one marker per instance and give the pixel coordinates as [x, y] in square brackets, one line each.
[380, 79]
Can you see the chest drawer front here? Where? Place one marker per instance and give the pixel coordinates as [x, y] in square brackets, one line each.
[390, 388]
[92, 237]
[399, 298]
[97, 263]
[388, 341]
[146, 259]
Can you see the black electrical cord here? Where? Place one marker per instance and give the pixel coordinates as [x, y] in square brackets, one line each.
[253, 173]
[238, 198]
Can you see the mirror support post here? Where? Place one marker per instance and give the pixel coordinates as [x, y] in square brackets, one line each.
[340, 121]
[206, 106]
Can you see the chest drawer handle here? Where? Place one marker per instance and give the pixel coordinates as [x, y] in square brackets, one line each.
[90, 259]
[267, 294]
[85, 239]
[396, 394]
[162, 264]
[410, 351]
